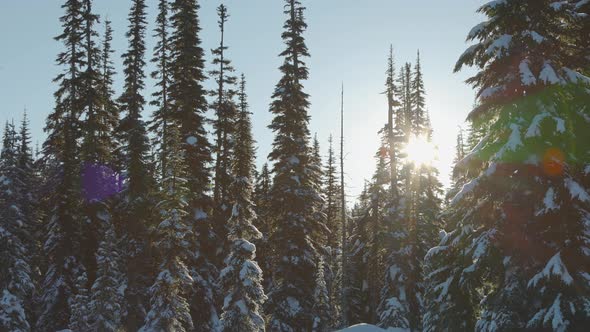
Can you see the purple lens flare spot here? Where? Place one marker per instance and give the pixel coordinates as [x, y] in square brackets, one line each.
[99, 182]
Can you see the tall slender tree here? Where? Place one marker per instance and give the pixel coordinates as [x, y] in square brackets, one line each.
[96, 150]
[345, 248]
[321, 307]
[406, 90]
[393, 309]
[105, 305]
[162, 57]
[170, 310]
[110, 108]
[188, 108]
[333, 263]
[135, 216]
[16, 278]
[417, 97]
[226, 115]
[63, 221]
[241, 279]
[291, 298]
[264, 223]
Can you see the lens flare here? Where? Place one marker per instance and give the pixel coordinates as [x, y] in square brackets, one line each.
[420, 151]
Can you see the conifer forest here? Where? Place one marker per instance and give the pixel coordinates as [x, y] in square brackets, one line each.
[144, 205]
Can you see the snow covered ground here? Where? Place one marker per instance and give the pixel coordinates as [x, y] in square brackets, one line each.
[370, 328]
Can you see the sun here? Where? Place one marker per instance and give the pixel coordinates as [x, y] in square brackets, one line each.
[420, 151]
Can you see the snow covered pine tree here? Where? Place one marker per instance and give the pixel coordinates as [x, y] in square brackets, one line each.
[294, 193]
[241, 279]
[522, 235]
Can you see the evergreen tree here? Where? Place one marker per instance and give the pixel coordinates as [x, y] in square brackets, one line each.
[356, 252]
[134, 213]
[105, 305]
[96, 138]
[225, 113]
[417, 97]
[110, 108]
[294, 195]
[526, 179]
[406, 88]
[162, 53]
[262, 200]
[393, 307]
[321, 306]
[333, 240]
[457, 177]
[96, 148]
[377, 229]
[400, 93]
[79, 305]
[241, 279]
[188, 108]
[579, 26]
[62, 241]
[170, 309]
[28, 197]
[16, 279]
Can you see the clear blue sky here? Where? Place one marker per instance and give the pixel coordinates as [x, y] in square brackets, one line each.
[348, 42]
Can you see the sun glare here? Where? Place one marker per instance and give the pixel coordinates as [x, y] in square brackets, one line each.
[420, 151]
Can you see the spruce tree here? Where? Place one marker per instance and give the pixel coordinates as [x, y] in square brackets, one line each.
[105, 305]
[98, 177]
[393, 307]
[457, 177]
[62, 241]
[578, 27]
[376, 231]
[333, 238]
[406, 88]
[110, 108]
[134, 213]
[262, 200]
[241, 279]
[321, 307]
[28, 200]
[225, 110]
[16, 279]
[79, 305]
[356, 252]
[294, 194]
[170, 310]
[527, 176]
[96, 145]
[417, 98]
[188, 108]
[162, 53]
[400, 93]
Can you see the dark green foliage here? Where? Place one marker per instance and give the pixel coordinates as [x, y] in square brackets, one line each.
[170, 309]
[188, 108]
[333, 237]
[264, 223]
[63, 233]
[417, 97]
[226, 110]
[16, 222]
[106, 301]
[162, 53]
[295, 195]
[133, 217]
[519, 237]
[241, 279]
